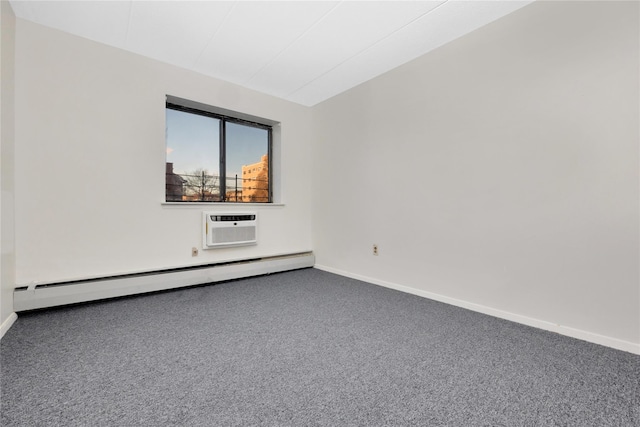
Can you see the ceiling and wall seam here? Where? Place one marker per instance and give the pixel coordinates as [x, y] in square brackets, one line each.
[369, 47]
[302, 52]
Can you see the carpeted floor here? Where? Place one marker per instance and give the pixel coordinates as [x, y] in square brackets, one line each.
[303, 348]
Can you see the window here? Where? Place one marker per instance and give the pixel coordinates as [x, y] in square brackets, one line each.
[214, 157]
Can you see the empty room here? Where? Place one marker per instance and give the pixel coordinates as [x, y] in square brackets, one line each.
[320, 213]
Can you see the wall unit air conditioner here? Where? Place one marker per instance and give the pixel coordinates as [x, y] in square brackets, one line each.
[229, 229]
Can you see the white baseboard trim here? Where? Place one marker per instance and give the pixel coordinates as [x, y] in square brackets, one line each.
[529, 321]
[7, 324]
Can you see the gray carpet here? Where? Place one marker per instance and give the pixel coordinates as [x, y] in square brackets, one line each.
[303, 348]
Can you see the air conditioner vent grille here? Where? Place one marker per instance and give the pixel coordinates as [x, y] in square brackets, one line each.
[234, 234]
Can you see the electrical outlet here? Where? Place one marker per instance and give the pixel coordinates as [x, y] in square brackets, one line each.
[375, 249]
[194, 251]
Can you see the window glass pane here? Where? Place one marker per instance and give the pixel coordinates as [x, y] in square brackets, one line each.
[193, 153]
[247, 163]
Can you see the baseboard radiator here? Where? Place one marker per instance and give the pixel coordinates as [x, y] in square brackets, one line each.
[56, 294]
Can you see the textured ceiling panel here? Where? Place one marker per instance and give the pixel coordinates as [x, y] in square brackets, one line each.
[348, 30]
[301, 51]
[102, 21]
[430, 31]
[254, 34]
[175, 32]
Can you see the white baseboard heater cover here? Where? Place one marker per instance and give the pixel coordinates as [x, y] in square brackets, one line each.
[52, 295]
[222, 229]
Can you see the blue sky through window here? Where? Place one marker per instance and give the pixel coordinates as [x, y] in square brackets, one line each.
[193, 143]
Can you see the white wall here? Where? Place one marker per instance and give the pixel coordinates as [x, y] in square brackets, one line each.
[499, 171]
[7, 266]
[90, 162]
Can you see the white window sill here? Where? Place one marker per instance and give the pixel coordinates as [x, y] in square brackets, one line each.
[197, 204]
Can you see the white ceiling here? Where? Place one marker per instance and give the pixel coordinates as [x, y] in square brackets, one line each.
[302, 51]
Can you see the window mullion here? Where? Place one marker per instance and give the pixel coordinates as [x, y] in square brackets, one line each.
[269, 164]
[223, 160]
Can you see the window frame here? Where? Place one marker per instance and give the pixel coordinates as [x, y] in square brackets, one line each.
[224, 119]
